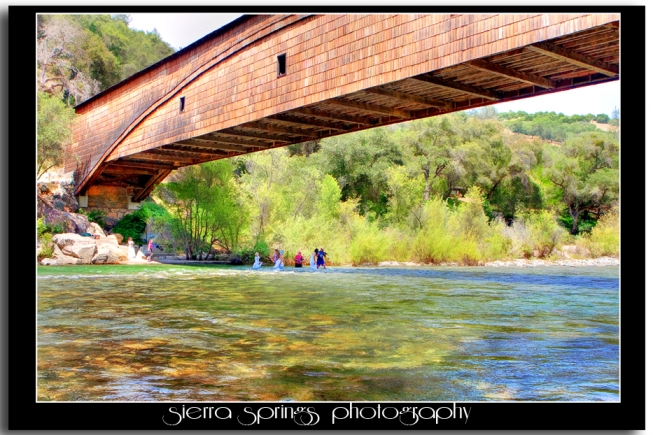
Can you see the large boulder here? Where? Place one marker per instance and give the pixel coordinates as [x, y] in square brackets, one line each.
[60, 194]
[109, 254]
[119, 237]
[108, 240]
[68, 239]
[62, 258]
[95, 230]
[75, 248]
[69, 222]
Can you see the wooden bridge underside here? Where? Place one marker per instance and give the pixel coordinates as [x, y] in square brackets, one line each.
[584, 58]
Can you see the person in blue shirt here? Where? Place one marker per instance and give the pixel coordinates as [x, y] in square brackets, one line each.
[321, 256]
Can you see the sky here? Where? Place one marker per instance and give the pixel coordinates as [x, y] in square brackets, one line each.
[181, 30]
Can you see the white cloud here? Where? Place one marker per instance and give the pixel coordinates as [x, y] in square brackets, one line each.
[180, 29]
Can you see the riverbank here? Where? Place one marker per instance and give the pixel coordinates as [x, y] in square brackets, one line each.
[601, 261]
[588, 262]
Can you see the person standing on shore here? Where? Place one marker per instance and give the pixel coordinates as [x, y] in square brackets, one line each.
[150, 247]
[131, 252]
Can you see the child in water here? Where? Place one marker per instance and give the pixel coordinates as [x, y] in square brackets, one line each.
[278, 259]
[257, 261]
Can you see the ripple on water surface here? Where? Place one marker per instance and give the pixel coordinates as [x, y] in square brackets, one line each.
[164, 332]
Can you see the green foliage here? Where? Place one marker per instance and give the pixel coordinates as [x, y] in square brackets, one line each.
[108, 50]
[548, 125]
[586, 173]
[41, 227]
[131, 225]
[97, 216]
[47, 246]
[359, 162]
[57, 228]
[602, 118]
[205, 208]
[247, 254]
[369, 245]
[604, 237]
[54, 134]
[44, 236]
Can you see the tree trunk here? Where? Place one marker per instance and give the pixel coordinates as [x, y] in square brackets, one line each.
[574, 216]
[427, 186]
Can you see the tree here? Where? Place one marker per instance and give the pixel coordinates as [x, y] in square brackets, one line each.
[586, 173]
[359, 162]
[205, 206]
[54, 134]
[432, 142]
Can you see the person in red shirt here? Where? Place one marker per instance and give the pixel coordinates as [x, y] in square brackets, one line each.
[298, 259]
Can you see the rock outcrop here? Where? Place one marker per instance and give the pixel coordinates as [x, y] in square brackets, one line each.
[70, 248]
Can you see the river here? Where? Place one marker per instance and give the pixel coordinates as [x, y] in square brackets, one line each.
[218, 333]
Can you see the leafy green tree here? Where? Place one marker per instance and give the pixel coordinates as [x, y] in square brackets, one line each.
[586, 173]
[54, 134]
[205, 206]
[359, 162]
[432, 143]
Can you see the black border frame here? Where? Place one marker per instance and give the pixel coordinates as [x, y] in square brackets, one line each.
[25, 413]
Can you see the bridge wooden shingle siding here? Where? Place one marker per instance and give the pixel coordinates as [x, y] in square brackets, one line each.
[343, 73]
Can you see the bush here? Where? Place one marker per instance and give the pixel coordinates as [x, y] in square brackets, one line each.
[369, 245]
[604, 238]
[57, 228]
[131, 225]
[47, 247]
[41, 227]
[247, 254]
[97, 216]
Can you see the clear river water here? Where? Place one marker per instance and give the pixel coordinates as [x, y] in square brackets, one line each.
[220, 333]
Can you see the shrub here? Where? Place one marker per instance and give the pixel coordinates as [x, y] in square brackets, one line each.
[369, 245]
[131, 225]
[41, 227]
[97, 216]
[604, 238]
[247, 254]
[47, 247]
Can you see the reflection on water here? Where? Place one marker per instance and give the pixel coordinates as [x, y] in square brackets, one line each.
[216, 333]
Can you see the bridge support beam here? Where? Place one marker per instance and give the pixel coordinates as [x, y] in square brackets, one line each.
[114, 201]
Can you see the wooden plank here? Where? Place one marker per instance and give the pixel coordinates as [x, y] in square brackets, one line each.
[203, 151]
[140, 164]
[149, 186]
[574, 58]
[267, 136]
[410, 98]
[280, 130]
[531, 79]
[366, 107]
[333, 116]
[120, 170]
[473, 90]
[310, 122]
[186, 160]
[212, 145]
[232, 141]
